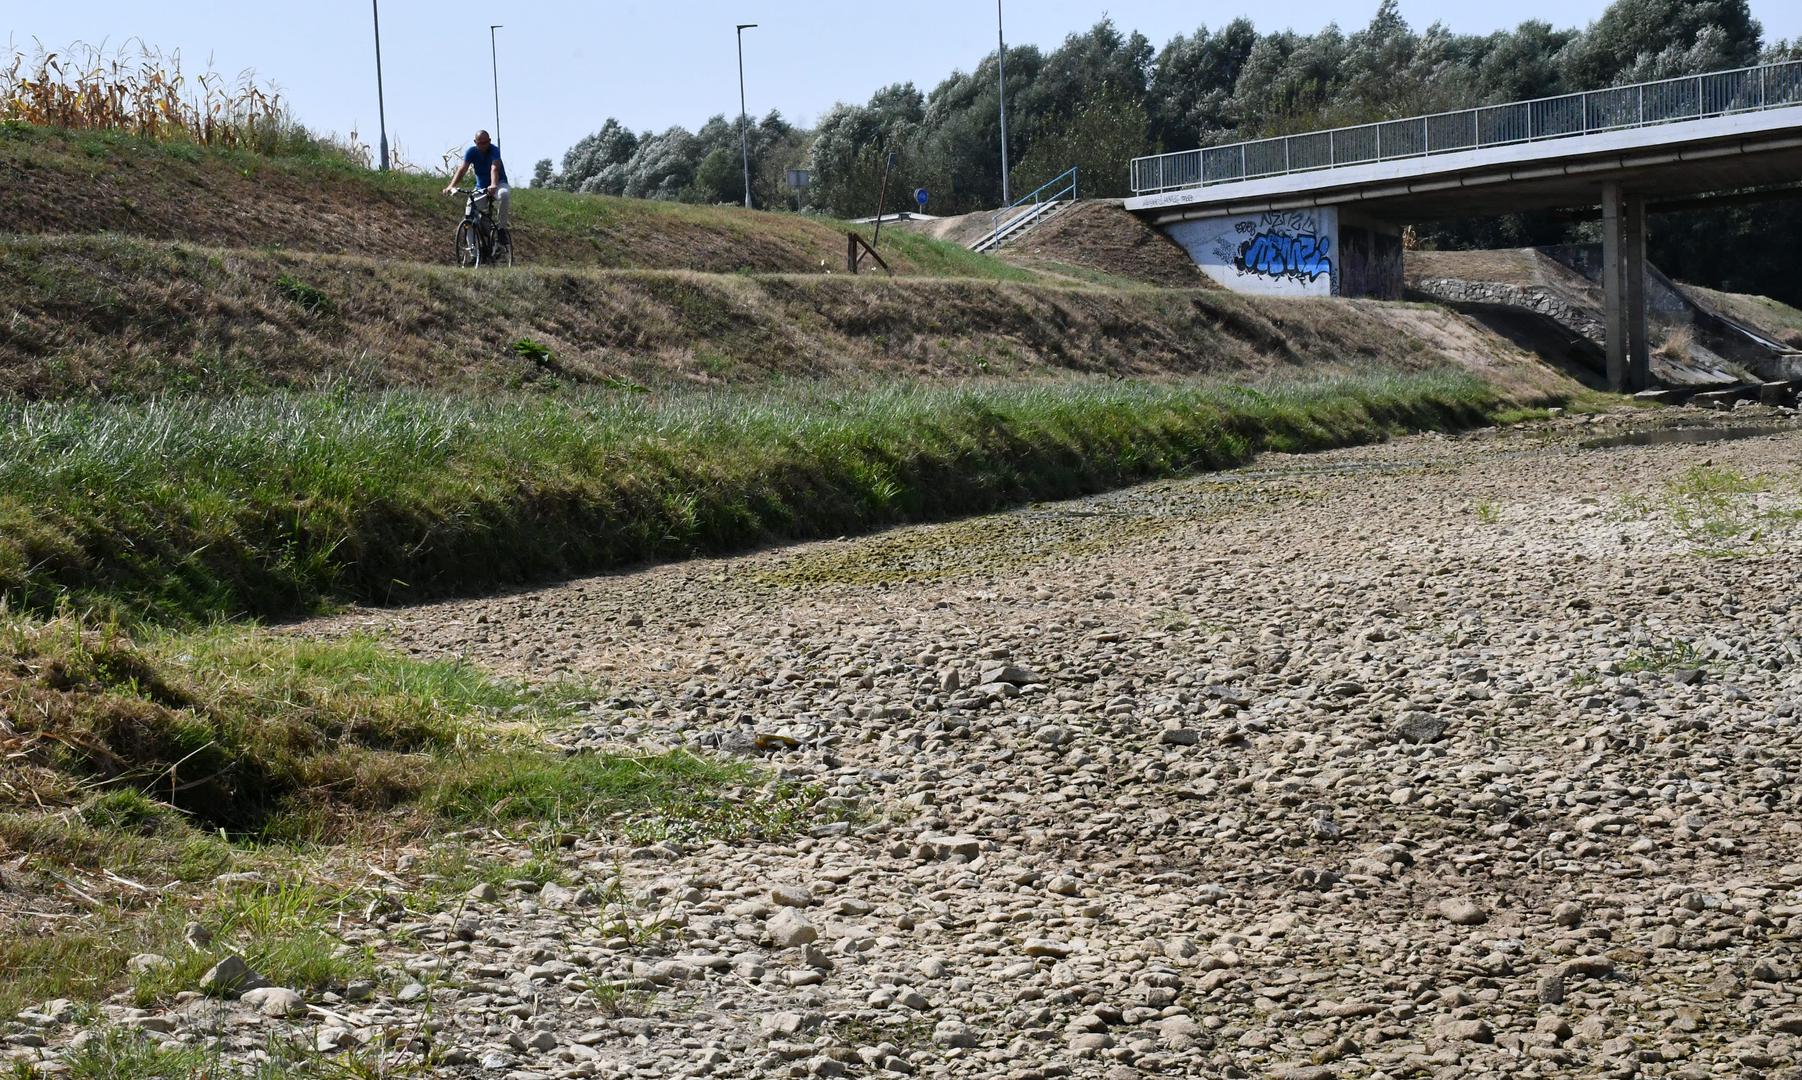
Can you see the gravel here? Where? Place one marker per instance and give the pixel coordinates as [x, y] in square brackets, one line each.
[1368, 763]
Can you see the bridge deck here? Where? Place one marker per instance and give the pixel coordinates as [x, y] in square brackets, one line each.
[1729, 129]
[1744, 150]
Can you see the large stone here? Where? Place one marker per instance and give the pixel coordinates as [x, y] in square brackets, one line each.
[788, 929]
[787, 1024]
[1590, 967]
[275, 1001]
[231, 976]
[1462, 911]
[791, 896]
[1419, 727]
[1476, 1031]
[1179, 1032]
[946, 846]
[1012, 674]
[144, 962]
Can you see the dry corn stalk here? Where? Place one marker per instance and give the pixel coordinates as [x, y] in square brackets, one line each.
[142, 92]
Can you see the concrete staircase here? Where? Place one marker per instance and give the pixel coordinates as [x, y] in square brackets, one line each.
[1018, 226]
[1029, 212]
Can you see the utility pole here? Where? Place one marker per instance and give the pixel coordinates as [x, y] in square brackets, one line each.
[381, 106]
[1001, 64]
[744, 134]
[494, 60]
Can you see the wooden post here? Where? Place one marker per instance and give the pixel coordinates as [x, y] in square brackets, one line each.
[856, 247]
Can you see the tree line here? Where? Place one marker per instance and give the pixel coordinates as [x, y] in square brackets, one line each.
[1107, 95]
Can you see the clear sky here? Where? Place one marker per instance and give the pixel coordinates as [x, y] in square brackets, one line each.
[565, 65]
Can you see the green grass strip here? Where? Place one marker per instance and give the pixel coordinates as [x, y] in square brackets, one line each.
[272, 506]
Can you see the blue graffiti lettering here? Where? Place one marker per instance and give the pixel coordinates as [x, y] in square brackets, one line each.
[1302, 257]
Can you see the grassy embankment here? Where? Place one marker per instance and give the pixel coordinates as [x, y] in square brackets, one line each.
[121, 316]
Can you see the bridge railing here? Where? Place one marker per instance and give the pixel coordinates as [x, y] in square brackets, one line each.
[1668, 101]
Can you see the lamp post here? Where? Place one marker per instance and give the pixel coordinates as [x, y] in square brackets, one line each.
[381, 106]
[494, 61]
[744, 134]
[1001, 65]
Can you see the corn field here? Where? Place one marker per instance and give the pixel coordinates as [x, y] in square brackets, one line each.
[141, 91]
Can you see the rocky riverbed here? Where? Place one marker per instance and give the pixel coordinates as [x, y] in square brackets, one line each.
[1459, 757]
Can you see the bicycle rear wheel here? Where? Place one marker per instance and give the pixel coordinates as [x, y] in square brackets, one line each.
[503, 253]
[469, 246]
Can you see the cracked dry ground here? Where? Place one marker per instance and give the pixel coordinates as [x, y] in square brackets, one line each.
[1469, 756]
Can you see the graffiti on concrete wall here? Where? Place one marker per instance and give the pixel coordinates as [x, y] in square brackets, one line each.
[1291, 253]
[1282, 245]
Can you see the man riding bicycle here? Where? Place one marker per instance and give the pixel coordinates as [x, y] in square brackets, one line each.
[484, 159]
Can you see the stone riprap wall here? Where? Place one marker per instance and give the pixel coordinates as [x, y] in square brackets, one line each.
[1291, 253]
[1535, 298]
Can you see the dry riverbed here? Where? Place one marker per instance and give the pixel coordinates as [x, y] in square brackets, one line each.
[1460, 757]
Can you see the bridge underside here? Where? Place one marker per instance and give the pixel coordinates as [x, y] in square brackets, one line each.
[1269, 234]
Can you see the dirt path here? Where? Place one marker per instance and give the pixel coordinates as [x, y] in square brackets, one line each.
[1471, 757]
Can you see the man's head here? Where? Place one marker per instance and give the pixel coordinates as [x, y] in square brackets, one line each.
[482, 140]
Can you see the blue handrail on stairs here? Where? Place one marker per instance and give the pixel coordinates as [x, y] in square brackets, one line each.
[1037, 197]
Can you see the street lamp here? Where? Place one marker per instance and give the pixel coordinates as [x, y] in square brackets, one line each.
[381, 106]
[744, 134]
[1001, 64]
[495, 65]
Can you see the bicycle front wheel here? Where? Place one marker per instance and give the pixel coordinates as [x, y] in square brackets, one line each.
[469, 246]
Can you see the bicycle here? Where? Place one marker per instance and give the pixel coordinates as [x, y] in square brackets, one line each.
[478, 240]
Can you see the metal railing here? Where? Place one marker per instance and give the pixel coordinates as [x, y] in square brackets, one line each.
[1065, 185]
[1668, 101]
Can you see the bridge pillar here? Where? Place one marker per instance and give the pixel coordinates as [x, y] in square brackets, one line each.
[1624, 290]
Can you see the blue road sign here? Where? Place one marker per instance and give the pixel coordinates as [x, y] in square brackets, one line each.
[920, 197]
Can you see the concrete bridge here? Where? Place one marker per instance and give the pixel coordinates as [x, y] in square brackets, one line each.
[1321, 213]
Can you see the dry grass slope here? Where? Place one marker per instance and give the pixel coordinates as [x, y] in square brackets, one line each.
[93, 182]
[113, 315]
[1101, 237]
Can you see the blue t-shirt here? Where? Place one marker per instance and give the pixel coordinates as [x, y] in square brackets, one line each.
[483, 163]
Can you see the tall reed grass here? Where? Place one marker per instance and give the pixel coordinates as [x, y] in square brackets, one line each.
[270, 506]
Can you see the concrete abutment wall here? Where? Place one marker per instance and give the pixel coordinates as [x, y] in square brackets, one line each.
[1316, 252]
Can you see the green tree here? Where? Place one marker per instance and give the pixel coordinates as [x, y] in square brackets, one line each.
[1288, 83]
[1522, 65]
[1191, 85]
[597, 162]
[850, 144]
[1100, 62]
[1641, 39]
[1099, 140]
